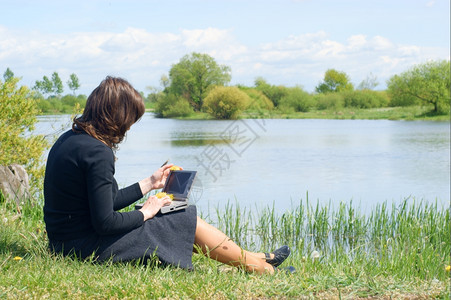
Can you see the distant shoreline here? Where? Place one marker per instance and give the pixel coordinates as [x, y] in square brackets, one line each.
[411, 113]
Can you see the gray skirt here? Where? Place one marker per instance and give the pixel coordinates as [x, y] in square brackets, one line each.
[170, 237]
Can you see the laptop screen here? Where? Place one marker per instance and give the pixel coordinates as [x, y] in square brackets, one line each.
[179, 183]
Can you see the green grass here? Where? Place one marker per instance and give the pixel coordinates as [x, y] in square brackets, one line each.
[386, 113]
[397, 251]
[409, 113]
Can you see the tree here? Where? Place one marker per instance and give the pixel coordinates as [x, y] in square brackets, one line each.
[194, 74]
[57, 84]
[427, 83]
[17, 118]
[8, 75]
[45, 86]
[334, 81]
[165, 82]
[154, 94]
[73, 83]
[369, 83]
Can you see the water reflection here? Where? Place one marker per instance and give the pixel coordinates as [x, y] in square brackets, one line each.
[197, 142]
[196, 139]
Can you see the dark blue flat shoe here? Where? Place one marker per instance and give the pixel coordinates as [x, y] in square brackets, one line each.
[279, 256]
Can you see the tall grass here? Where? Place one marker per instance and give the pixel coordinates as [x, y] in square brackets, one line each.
[411, 239]
[394, 251]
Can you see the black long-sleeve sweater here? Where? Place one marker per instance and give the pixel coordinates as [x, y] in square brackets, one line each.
[81, 194]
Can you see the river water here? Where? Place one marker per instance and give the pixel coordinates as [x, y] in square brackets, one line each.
[259, 163]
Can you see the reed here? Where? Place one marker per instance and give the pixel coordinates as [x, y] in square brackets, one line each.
[410, 239]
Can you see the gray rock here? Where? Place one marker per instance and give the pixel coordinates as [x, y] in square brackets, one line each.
[14, 183]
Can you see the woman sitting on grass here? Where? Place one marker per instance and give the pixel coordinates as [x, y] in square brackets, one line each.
[82, 199]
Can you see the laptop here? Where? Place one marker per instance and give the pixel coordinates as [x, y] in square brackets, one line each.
[178, 184]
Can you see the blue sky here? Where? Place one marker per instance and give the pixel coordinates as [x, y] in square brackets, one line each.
[289, 42]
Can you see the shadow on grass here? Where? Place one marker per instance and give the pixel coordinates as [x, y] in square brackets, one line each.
[432, 114]
[13, 248]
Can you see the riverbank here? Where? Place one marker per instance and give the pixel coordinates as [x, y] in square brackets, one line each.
[394, 252]
[411, 113]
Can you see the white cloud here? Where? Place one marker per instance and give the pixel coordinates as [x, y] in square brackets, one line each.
[357, 42]
[381, 43]
[218, 43]
[142, 56]
[331, 49]
[209, 37]
[303, 59]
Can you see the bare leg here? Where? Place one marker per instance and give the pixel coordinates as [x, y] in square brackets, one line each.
[220, 247]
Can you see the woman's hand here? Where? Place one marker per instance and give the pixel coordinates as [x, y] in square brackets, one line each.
[152, 206]
[156, 181]
[159, 177]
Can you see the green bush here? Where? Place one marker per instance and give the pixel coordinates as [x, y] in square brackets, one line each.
[273, 92]
[54, 105]
[43, 105]
[258, 100]
[172, 106]
[152, 98]
[225, 102]
[17, 119]
[72, 101]
[330, 101]
[296, 99]
[355, 99]
[365, 99]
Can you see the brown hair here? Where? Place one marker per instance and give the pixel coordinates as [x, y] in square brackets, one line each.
[111, 109]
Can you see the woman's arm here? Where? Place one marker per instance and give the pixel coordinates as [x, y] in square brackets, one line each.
[133, 193]
[101, 187]
[127, 196]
